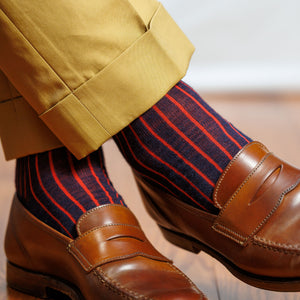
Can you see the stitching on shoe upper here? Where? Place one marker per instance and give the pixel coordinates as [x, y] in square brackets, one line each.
[295, 247]
[217, 188]
[73, 243]
[84, 216]
[88, 266]
[240, 241]
[242, 185]
[266, 218]
[115, 286]
[276, 249]
[102, 276]
[231, 199]
[121, 257]
[107, 225]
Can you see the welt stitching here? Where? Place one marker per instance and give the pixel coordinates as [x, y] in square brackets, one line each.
[70, 90]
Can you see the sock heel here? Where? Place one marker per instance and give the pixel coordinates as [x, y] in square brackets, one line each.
[180, 240]
[38, 285]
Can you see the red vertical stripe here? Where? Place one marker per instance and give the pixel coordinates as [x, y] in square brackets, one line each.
[200, 127]
[210, 114]
[98, 181]
[208, 158]
[78, 179]
[61, 186]
[170, 167]
[177, 153]
[43, 206]
[135, 170]
[159, 174]
[48, 195]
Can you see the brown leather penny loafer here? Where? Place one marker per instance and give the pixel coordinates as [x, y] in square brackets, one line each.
[256, 234]
[110, 259]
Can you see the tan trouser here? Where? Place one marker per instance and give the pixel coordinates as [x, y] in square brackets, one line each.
[85, 70]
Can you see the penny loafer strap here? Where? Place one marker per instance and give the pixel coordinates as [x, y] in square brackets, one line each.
[111, 243]
[256, 199]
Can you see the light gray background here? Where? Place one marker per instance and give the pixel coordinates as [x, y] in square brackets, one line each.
[241, 45]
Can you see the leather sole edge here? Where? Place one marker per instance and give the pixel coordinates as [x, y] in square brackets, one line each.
[39, 285]
[268, 283]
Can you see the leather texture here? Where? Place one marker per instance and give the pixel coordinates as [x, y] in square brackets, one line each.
[256, 233]
[110, 259]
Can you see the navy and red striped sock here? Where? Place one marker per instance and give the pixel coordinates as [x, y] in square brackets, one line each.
[182, 146]
[57, 188]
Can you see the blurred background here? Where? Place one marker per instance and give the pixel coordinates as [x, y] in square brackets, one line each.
[241, 45]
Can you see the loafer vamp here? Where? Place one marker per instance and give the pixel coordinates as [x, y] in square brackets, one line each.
[111, 257]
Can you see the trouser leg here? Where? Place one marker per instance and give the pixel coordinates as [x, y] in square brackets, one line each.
[90, 68]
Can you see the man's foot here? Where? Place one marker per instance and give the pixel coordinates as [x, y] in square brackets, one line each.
[110, 259]
[256, 234]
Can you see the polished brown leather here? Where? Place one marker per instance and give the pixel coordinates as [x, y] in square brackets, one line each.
[110, 259]
[257, 232]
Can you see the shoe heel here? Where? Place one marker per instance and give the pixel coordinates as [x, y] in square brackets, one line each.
[180, 240]
[38, 285]
[26, 282]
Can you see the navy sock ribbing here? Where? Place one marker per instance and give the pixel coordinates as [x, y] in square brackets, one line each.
[57, 188]
[182, 146]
